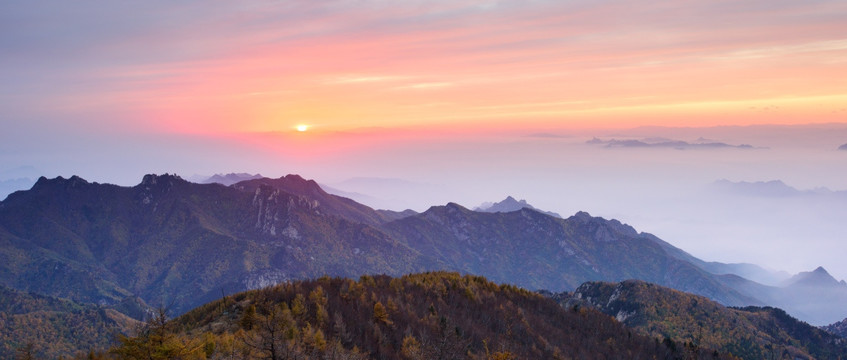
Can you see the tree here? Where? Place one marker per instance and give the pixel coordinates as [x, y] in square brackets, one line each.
[412, 348]
[274, 335]
[248, 318]
[380, 314]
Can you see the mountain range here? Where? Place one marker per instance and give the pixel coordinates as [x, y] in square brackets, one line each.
[177, 244]
[773, 188]
[665, 143]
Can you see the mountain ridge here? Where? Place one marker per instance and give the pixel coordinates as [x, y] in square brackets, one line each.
[170, 240]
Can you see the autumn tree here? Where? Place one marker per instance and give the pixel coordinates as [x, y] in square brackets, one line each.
[157, 340]
[380, 314]
[274, 335]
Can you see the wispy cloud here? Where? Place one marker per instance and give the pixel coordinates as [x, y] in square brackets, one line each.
[491, 59]
[839, 45]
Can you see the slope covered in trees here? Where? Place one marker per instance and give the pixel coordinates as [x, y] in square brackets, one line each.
[423, 316]
[53, 327]
[749, 332]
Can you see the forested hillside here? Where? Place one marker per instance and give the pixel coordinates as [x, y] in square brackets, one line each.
[423, 316]
[48, 327]
[748, 332]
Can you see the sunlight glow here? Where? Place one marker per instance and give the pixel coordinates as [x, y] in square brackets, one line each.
[302, 127]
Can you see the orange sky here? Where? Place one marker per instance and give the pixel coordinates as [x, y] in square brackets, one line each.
[338, 66]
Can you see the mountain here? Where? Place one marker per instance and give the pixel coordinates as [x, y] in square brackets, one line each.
[510, 204]
[537, 251]
[421, 316]
[749, 332]
[665, 143]
[327, 203]
[397, 215]
[815, 296]
[774, 189]
[842, 147]
[55, 327]
[815, 278]
[175, 243]
[167, 240]
[229, 179]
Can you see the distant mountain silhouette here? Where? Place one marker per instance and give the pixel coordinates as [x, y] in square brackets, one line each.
[664, 143]
[815, 278]
[772, 188]
[842, 147]
[229, 179]
[509, 204]
[814, 296]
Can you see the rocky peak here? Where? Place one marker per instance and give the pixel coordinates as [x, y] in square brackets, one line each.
[582, 217]
[154, 186]
[72, 182]
[77, 181]
[510, 204]
[153, 179]
[816, 278]
[291, 183]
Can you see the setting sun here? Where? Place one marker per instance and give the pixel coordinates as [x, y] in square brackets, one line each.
[302, 128]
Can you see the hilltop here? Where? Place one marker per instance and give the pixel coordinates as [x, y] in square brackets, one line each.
[747, 332]
[422, 316]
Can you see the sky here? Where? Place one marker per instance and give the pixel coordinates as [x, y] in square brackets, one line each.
[417, 103]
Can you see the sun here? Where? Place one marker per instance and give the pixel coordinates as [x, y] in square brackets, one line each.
[302, 127]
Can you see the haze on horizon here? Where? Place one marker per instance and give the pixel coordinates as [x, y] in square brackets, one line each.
[461, 101]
